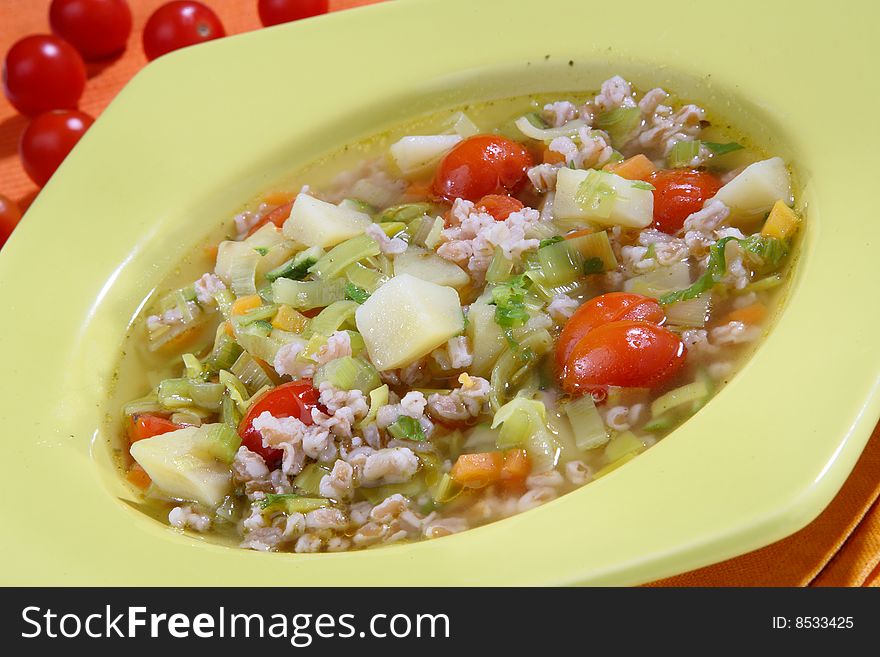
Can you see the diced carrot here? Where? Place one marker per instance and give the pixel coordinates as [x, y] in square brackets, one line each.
[137, 476]
[638, 167]
[579, 233]
[781, 223]
[753, 314]
[211, 251]
[179, 341]
[288, 319]
[277, 217]
[517, 465]
[227, 327]
[278, 198]
[147, 425]
[477, 470]
[243, 304]
[552, 157]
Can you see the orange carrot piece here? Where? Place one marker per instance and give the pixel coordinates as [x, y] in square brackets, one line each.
[477, 470]
[753, 314]
[137, 476]
[278, 198]
[552, 157]
[579, 233]
[517, 465]
[638, 167]
[211, 251]
[243, 304]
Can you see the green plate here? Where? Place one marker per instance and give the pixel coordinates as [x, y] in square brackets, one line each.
[199, 131]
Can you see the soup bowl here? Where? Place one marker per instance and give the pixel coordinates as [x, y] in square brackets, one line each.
[200, 131]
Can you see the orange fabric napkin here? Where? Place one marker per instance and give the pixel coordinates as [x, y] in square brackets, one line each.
[840, 548]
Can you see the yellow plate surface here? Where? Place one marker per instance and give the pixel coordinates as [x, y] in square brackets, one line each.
[200, 131]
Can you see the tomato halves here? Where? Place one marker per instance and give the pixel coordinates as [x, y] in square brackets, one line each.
[41, 73]
[48, 139]
[295, 399]
[481, 165]
[679, 193]
[629, 354]
[274, 12]
[9, 216]
[96, 28]
[147, 425]
[611, 307]
[179, 24]
[499, 206]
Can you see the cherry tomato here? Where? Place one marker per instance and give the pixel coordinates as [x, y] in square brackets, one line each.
[499, 206]
[42, 73]
[276, 216]
[274, 12]
[481, 165]
[96, 28]
[179, 24]
[9, 216]
[679, 193]
[147, 425]
[295, 399]
[626, 353]
[611, 307]
[48, 139]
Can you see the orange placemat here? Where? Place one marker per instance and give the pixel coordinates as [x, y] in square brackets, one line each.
[840, 548]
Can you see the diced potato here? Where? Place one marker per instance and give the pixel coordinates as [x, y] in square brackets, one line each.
[430, 267]
[317, 223]
[782, 222]
[414, 154]
[757, 188]
[407, 318]
[486, 338]
[182, 466]
[632, 207]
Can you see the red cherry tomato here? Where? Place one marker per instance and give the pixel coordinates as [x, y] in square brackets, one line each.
[42, 73]
[274, 12]
[628, 354]
[499, 206]
[481, 165]
[179, 24]
[295, 399]
[679, 193]
[48, 139]
[9, 216]
[96, 28]
[147, 425]
[276, 216]
[611, 307]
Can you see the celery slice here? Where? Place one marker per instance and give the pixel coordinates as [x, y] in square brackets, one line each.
[309, 480]
[523, 424]
[594, 247]
[250, 373]
[297, 268]
[237, 265]
[682, 154]
[406, 212]
[532, 131]
[344, 255]
[691, 313]
[147, 404]
[259, 346]
[661, 281]
[365, 278]
[290, 503]
[229, 413]
[378, 398]
[586, 423]
[620, 123]
[515, 363]
[348, 373]
[624, 443]
[224, 353]
[692, 392]
[446, 490]
[334, 316]
[304, 295]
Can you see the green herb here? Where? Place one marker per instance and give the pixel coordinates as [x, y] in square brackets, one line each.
[262, 250]
[722, 149]
[509, 301]
[641, 184]
[356, 293]
[764, 252]
[550, 240]
[682, 153]
[407, 428]
[593, 265]
[651, 252]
